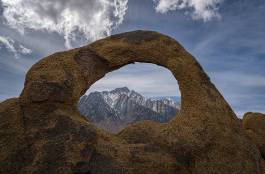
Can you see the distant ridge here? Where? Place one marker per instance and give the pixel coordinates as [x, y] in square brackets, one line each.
[114, 110]
[175, 98]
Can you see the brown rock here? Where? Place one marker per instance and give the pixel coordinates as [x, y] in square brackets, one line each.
[42, 131]
[254, 126]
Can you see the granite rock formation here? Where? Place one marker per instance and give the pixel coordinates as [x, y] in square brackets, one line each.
[42, 131]
[254, 125]
[114, 110]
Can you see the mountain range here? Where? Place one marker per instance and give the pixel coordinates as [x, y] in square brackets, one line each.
[114, 110]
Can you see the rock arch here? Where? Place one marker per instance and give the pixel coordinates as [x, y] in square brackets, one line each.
[206, 137]
[63, 77]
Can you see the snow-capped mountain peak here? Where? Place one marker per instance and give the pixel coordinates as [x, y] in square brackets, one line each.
[113, 110]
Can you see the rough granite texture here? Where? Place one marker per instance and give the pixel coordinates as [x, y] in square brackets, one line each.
[254, 125]
[42, 131]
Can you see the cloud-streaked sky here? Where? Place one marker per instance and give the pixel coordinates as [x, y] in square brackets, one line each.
[226, 37]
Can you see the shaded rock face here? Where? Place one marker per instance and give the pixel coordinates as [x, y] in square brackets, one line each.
[114, 110]
[42, 131]
[254, 126]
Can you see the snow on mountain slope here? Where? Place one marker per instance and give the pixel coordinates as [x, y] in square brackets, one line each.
[113, 110]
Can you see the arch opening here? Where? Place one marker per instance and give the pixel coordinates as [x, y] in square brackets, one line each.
[133, 93]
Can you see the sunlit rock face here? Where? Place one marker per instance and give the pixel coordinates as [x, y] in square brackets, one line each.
[114, 110]
[43, 132]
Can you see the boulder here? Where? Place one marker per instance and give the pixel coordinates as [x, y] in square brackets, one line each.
[254, 126]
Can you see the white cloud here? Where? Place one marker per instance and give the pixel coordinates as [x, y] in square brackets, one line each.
[24, 50]
[13, 47]
[74, 19]
[201, 9]
[7, 43]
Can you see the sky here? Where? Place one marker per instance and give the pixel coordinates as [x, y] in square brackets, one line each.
[227, 37]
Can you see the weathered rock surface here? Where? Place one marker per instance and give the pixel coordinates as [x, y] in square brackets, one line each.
[42, 131]
[254, 125]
